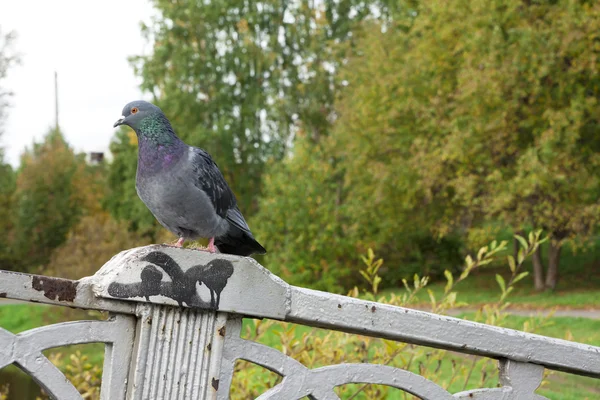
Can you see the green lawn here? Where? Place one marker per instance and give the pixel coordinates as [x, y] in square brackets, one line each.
[578, 285]
[482, 288]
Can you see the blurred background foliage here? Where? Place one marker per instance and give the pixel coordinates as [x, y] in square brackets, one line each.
[420, 129]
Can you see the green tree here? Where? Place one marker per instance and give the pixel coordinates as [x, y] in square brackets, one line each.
[7, 190]
[471, 113]
[237, 77]
[355, 188]
[505, 97]
[8, 58]
[49, 200]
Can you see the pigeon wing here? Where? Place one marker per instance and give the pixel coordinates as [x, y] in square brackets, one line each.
[210, 179]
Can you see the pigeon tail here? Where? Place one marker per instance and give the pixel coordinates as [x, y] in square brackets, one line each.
[239, 243]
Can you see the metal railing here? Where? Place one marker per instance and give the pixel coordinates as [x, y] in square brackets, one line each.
[175, 322]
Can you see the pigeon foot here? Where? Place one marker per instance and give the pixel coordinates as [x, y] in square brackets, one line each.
[211, 246]
[180, 242]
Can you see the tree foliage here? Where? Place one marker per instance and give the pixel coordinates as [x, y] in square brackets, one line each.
[8, 257]
[236, 77]
[8, 58]
[470, 113]
[353, 189]
[51, 194]
[514, 130]
[415, 128]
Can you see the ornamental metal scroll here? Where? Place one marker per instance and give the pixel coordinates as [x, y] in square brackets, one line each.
[519, 380]
[25, 351]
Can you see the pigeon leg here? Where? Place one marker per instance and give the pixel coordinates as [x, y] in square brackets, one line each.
[211, 245]
[180, 242]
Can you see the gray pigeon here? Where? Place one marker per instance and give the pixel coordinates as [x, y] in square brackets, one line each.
[183, 187]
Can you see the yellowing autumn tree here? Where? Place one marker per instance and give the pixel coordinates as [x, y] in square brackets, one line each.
[49, 200]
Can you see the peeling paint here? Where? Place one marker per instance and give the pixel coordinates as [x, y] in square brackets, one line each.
[55, 288]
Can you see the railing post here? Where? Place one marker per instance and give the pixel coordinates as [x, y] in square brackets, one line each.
[184, 300]
[177, 353]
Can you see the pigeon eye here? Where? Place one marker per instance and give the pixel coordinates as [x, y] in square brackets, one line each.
[134, 110]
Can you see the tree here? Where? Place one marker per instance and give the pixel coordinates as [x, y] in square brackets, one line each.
[237, 77]
[7, 189]
[48, 202]
[505, 94]
[470, 114]
[339, 195]
[8, 58]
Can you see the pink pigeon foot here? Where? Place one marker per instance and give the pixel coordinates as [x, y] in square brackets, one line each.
[211, 246]
[180, 242]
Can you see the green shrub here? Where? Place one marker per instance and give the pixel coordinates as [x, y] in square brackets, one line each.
[455, 372]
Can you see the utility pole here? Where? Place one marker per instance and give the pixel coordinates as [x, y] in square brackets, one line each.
[56, 99]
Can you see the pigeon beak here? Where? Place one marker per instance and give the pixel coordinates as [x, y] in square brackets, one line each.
[119, 122]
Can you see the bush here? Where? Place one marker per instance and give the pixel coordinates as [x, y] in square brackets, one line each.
[455, 372]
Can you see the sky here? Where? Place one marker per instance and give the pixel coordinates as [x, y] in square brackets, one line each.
[87, 43]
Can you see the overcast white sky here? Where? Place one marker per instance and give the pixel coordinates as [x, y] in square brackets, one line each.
[88, 44]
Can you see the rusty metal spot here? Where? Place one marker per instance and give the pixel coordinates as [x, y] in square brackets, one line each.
[209, 346]
[222, 331]
[3, 294]
[55, 288]
[373, 309]
[215, 384]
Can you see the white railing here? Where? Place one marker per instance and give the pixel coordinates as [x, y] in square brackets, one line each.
[175, 322]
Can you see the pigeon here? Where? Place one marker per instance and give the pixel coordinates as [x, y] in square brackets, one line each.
[183, 187]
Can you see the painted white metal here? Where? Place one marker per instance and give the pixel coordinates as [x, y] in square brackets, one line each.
[177, 353]
[25, 350]
[183, 270]
[326, 310]
[57, 291]
[176, 316]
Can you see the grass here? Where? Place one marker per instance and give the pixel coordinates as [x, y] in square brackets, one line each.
[578, 285]
[482, 289]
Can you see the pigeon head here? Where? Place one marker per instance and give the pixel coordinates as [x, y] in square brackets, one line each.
[148, 122]
[136, 111]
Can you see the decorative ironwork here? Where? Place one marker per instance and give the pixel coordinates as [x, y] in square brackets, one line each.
[25, 351]
[176, 317]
